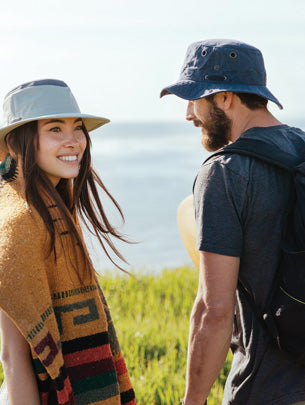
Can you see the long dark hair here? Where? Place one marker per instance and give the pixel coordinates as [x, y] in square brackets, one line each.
[79, 196]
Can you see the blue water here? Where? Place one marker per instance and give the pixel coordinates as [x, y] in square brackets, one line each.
[149, 168]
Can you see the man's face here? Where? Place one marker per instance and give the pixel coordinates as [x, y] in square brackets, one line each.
[214, 123]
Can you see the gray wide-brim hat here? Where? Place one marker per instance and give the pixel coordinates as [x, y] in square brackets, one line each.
[42, 99]
[219, 65]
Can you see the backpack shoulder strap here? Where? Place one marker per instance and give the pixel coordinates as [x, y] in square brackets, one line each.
[260, 150]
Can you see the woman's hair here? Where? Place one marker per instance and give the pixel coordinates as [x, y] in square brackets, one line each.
[70, 196]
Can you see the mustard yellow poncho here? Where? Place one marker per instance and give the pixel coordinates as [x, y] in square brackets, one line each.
[76, 355]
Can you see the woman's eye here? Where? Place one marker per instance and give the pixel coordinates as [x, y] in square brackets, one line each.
[55, 129]
[79, 128]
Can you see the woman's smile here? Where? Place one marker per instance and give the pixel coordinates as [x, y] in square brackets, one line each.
[70, 159]
[61, 145]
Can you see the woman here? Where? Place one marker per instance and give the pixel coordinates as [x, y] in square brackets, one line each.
[58, 342]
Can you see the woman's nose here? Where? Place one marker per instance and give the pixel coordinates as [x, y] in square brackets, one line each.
[71, 139]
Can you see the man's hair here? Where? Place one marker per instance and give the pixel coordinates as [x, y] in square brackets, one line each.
[250, 100]
[79, 197]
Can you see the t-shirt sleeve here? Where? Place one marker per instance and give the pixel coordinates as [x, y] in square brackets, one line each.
[219, 202]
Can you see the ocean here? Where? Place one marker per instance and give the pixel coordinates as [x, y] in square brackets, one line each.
[149, 168]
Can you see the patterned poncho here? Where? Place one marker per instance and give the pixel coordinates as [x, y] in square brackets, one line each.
[76, 355]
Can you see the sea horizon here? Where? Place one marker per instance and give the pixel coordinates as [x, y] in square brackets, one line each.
[149, 168]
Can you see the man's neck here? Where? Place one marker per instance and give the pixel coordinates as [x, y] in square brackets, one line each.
[250, 119]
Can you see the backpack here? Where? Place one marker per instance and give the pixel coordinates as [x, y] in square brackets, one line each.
[284, 315]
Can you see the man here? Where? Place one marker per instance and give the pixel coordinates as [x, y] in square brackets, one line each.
[240, 205]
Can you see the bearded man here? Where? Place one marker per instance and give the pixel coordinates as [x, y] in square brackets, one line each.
[240, 205]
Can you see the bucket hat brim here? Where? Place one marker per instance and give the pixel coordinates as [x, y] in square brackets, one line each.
[91, 122]
[192, 90]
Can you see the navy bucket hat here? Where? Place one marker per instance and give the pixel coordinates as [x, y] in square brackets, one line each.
[218, 65]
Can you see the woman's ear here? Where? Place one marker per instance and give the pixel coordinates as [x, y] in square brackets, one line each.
[9, 147]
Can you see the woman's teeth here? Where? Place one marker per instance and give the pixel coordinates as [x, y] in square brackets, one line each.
[68, 158]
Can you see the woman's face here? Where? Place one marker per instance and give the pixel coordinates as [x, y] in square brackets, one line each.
[61, 145]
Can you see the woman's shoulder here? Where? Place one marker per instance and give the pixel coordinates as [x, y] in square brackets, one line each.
[17, 219]
[12, 201]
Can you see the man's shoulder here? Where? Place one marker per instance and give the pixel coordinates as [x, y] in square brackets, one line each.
[225, 164]
[288, 138]
[228, 170]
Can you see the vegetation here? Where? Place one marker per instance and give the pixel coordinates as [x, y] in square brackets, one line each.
[151, 314]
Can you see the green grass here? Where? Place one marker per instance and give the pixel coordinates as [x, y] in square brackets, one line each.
[1, 374]
[151, 315]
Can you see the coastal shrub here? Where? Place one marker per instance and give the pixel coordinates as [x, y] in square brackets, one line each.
[151, 314]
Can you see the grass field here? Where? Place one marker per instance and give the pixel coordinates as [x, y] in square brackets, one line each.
[151, 315]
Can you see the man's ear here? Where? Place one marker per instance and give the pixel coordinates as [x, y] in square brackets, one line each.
[226, 100]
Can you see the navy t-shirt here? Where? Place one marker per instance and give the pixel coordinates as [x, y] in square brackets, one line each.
[240, 206]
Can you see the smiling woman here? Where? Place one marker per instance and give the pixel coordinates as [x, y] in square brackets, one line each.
[61, 145]
[57, 336]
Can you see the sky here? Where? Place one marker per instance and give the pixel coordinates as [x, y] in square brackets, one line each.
[117, 55]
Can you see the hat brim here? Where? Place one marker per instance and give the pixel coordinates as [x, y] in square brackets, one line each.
[91, 122]
[191, 90]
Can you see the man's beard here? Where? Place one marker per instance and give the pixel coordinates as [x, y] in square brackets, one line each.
[217, 129]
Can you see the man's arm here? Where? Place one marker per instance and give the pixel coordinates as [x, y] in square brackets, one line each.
[17, 366]
[211, 324]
